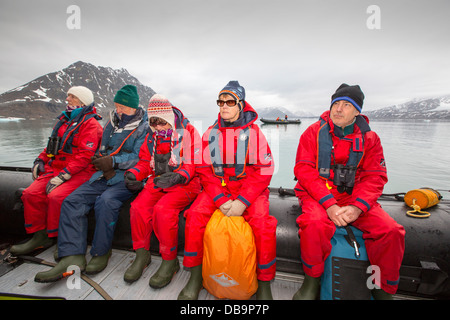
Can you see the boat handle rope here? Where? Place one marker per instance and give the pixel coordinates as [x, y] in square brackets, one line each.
[417, 212]
[88, 280]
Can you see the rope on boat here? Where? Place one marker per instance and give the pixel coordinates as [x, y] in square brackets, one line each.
[417, 199]
[417, 212]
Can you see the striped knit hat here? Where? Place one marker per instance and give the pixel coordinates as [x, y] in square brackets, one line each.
[160, 107]
[234, 89]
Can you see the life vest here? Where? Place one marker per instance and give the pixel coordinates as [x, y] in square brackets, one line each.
[177, 146]
[325, 146]
[134, 133]
[241, 154]
[74, 125]
[109, 130]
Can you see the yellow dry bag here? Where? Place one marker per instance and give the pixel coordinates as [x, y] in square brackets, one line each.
[229, 258]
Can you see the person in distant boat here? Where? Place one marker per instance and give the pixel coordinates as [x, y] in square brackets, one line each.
[277, 119]
[235, 179]
[341, 173]
[285, 117]
[62, 167]
[167, 158]
[105, 191]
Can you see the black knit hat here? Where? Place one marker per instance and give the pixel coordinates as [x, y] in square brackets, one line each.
[352, 94]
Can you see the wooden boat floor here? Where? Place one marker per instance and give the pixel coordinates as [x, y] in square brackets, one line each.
[21, 281]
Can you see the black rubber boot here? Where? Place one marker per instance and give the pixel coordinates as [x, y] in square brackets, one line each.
[142, 260]
[39, 240]
[264, 292]
[98, 263]
[60, 270]
[165, 273]
[310, 289]
[194, 285]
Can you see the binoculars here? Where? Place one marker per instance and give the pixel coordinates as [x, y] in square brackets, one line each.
[344, 178]
[53, 146]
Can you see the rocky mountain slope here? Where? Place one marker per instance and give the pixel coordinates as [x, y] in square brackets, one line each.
[45, 96]
[436, 109]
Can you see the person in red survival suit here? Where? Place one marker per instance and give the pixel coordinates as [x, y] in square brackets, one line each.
[167, 158]
[62, 167]
[235, 173]
[341, 173]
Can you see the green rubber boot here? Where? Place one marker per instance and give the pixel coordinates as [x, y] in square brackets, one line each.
[98, 263]
[165, 273]
[194, 285]
[264, 292]
[380, 294]
[39, 240]
[142, 260]
[309, 290]
[55, 254]
[59, 271]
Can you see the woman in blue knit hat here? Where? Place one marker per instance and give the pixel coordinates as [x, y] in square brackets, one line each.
[237, 185]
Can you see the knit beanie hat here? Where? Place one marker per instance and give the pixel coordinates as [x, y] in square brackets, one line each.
[352, 94]
[234, 89]
[128, 96]
[160, 107]
[83, 94]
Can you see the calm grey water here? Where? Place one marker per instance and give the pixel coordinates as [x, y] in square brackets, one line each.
[417, 152]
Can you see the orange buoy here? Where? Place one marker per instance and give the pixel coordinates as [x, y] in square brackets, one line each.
[419, 199]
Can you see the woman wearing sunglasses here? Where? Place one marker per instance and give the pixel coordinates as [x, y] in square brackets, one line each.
[235, 173]
[167, 158]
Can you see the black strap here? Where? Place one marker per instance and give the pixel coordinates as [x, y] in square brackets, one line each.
[352, 240]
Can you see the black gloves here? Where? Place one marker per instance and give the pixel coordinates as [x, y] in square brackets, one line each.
[104, 164]
[169, 179]
[164, 181]
[131, 183]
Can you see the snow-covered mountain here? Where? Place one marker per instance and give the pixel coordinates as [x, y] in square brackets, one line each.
[437, 108]
[45, 96]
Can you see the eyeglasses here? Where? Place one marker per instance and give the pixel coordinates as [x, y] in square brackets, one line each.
[154, 121]
[230, 103]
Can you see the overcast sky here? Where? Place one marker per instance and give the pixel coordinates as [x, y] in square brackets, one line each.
[292, 54]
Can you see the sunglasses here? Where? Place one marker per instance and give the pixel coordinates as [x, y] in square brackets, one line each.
[230, 103]
[154, 121]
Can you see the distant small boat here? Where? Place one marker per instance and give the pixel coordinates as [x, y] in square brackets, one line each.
[281, 121]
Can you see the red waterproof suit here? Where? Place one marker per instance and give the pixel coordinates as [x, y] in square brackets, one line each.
[384, 238]
[157, 209]
[80, 138]
[225, 177]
